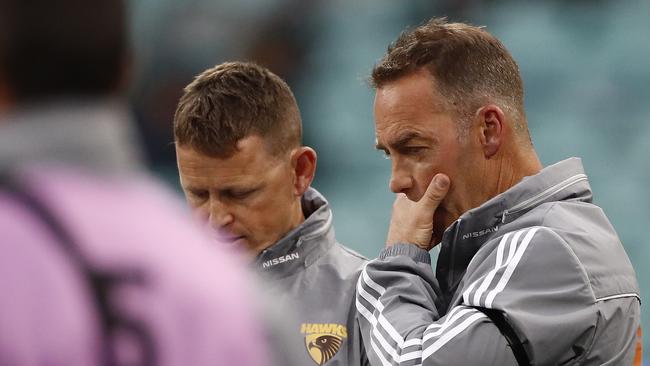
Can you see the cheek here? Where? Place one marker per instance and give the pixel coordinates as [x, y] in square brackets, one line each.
[425, 170]
[266, 214]
[200, 212]
[269, 213]
[424, 173]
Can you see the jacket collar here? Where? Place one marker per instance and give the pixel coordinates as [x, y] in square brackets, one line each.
[562, 181]
[303, 245]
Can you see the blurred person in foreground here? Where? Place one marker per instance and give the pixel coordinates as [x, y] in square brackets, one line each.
[530, 271]
[98, 265]
[245, 173]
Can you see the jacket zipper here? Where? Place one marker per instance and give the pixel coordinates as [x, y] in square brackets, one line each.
[543, 196]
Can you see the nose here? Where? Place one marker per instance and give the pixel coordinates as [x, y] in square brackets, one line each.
[219, 216]
[400, 180]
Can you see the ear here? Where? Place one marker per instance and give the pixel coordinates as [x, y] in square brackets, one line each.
[492, 127]
[303, 163]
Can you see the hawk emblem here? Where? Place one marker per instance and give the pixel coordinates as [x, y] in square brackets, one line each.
[322, 347]
[323, 340]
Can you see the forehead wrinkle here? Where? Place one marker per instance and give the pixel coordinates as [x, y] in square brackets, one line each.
[218, 174]
[399, 134]
[220, 179]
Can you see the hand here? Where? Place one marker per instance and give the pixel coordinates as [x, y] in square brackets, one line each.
[412, 222]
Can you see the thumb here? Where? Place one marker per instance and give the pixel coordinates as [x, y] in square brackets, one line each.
[436, 191]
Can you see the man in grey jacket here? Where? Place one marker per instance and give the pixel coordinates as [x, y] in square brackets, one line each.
[246, 174]
[530, 271]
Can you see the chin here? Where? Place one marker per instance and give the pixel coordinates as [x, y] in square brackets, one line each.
[233, 243]
[241, 242]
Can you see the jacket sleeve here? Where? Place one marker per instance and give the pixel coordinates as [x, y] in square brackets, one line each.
[530, 275]
[400, 324]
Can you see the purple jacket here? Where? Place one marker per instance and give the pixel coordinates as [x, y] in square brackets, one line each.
[191, 302]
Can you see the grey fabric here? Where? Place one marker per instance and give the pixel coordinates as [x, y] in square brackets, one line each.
[540, 252]
[309, 268]
[95, 135]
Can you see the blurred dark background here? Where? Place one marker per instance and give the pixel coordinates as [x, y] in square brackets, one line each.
[585, 65]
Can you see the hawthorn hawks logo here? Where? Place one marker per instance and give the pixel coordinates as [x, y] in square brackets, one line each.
[323, 341]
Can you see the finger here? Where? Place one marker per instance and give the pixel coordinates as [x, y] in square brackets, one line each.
[436, 191]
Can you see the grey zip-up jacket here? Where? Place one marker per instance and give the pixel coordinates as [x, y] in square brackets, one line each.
[317, 274]
[540, 253]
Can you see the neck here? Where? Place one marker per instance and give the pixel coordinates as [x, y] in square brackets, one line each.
[298, 216]
[512, 167]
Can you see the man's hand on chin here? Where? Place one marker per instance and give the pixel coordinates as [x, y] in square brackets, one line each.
[412, 222]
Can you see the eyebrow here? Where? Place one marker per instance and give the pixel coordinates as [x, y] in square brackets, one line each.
[192, 188]
[402, 139]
